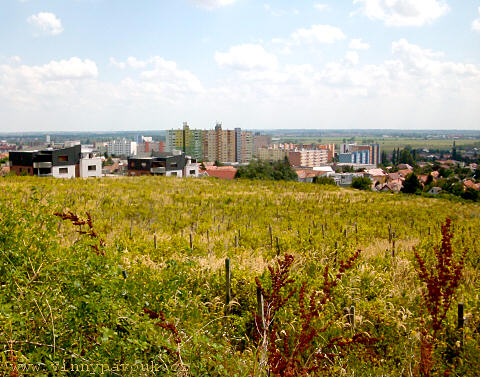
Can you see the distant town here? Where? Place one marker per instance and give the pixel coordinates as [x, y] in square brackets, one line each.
[433, 167]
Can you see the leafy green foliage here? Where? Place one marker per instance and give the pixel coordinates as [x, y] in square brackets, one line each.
[264, 170]
[362, 183]
[411, 184]
[324, 181]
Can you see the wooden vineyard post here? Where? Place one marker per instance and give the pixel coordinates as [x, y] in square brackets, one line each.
[155, 241]
[351, 316]
[393, 244]
[260, 309]
[236, 241]
[208, 236]
[278, 246]
[336, 252]
[191, 241]
[271, 235]
[228, 278]
[461, 322]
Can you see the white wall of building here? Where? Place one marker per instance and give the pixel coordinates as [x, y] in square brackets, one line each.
[191, 170]
[174, 173]
[67, 171]
[91, 167]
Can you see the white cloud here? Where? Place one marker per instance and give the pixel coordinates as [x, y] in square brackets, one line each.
[404, 12]
[274, 12]
[357, 44]
[317, 34]
[476, 23]
[430, 67]
[47, 23]
[321, 7]
[158, 77]
[71, 69]
[212, 4]
[246, 57]
[415, 87]
[352, 57]
[117, 64]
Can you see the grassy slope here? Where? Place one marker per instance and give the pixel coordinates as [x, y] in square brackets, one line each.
[49, 274]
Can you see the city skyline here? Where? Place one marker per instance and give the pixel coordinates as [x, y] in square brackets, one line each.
[99, 65]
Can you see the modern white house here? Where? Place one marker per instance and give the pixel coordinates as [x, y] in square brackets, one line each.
[68, 162]
[90, 165]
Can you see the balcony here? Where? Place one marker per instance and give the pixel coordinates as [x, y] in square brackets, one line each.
[45, 175]
[42, 165]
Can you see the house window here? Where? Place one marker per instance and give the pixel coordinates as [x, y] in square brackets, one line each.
[173, 165]
[92, 167]
[192, 172]
[62, 170]
[132, 164]
[63, 158]
[173, 174]
[144, 164]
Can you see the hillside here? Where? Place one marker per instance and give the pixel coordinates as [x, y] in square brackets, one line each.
[69, 303]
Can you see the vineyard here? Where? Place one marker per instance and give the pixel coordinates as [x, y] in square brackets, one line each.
[201, 277]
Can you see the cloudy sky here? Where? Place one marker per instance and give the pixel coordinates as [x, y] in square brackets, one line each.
[152, 64]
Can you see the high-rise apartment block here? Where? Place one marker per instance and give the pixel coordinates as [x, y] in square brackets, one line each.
[260, 141]
[359, 154]
[122, 147]
[305, 155]
[212, 145]
[308, 157]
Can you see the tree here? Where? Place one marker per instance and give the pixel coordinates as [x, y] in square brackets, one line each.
[455, 155]
[362, 183]
[471, 194]
[445, 173]
[406, 157]
[282, 171]
[324, 181]
[411, 184]
[429, 179]
[384, 158]
[264, 170]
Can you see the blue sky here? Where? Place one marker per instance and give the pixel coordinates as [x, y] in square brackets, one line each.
[152, 64]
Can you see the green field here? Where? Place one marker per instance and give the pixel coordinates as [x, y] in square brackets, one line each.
[387, 144]
[63, 304]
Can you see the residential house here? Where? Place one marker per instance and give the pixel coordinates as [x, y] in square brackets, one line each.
[470, 184]
[163, 163]
[376, 175]
[435, 190]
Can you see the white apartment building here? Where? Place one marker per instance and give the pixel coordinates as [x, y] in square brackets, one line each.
[122, 147]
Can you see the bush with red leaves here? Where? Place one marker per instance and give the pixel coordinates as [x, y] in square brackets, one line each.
[287, 353]
[441, 280]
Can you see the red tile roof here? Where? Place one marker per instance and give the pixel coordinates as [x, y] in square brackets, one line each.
[470, 184]
[404, 172]
[222, 172]
[307, 173]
